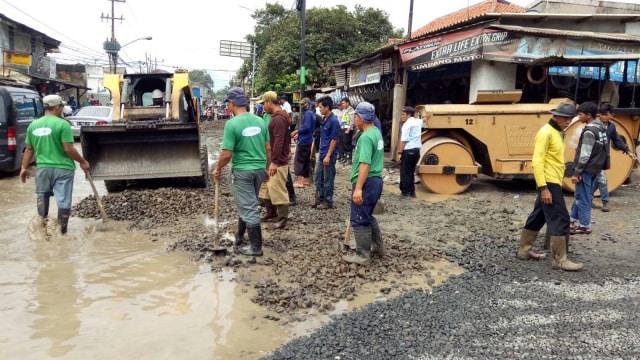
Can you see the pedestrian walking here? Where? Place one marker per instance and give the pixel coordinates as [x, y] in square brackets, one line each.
[50, 139]
[592, 156]
[274, 190]
[618, 143]
[409, 150]
[245, 143]
[325, 174]
[304, 138]
[366, 182]
[550, 207]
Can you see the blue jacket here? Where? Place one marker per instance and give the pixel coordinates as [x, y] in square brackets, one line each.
[615, 139]
[307, 125]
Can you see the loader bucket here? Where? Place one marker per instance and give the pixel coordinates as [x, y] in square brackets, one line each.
[118, 152]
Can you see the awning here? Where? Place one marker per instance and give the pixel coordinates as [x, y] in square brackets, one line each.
[568, 33]
[509, 43]
[67, 85]
[585, 60]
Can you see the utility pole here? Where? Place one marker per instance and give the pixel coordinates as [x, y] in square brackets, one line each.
[112, 47]
[302, 7]
[253, 71]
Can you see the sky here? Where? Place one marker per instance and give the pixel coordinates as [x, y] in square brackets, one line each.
[185, 33]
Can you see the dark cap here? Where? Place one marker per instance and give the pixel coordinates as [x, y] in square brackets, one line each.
[588, 107]
[366, 111]
[237, 95]
[409, 110]
[565, 109]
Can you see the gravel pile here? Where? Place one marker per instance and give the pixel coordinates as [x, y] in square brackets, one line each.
[502, 307]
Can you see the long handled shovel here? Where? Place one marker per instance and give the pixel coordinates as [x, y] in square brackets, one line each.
[217, 250]
[98, 201]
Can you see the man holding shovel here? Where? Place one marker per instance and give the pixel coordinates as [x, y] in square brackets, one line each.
[245, 144]
[51, 140]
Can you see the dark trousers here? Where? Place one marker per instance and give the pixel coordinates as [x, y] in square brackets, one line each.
[302, 162]
[407, 170]
[345, 139]
[555, 215]
[290, 189]
[362, 215]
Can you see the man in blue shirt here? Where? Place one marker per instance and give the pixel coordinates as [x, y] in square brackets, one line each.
[326, 166]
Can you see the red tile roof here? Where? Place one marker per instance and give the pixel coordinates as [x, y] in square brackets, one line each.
[473, 11]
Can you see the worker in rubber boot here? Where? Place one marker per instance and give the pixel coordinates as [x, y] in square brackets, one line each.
[274, 189]
[245, 143]
[366, 182]
[50, 138]
[549, 207]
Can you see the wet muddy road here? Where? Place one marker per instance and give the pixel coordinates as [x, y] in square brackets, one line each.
[120, 294]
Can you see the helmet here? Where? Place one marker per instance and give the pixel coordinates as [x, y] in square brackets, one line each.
[157, 94]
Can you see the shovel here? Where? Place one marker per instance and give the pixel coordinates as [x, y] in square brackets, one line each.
[217, 250]
[98, 201]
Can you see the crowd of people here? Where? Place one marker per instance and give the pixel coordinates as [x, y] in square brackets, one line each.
[587, 172]
[259, 148]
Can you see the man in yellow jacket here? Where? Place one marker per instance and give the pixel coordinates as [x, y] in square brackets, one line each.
[550, 208]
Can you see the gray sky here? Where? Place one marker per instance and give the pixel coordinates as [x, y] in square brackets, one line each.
[185, 33]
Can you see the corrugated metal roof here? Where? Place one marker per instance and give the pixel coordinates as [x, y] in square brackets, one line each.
[568, 33]
[584, 60]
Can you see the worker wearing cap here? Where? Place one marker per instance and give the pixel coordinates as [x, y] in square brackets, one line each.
[274, 191]
[51, 140]
[549, 207]
[409, 150]
[245, 143]
[366, 180]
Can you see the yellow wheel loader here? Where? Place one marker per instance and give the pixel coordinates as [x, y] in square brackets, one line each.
[154, 133]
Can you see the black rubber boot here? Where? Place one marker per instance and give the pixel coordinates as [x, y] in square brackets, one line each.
[377, 245]
[43, 205]
[272, 213]
[283, 215]
[291, 190]
[242, 227]
[63, 219]
[255, 241]
[363, 246]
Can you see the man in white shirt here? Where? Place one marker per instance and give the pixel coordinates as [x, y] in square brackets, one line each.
[284, 103]
[409, 150]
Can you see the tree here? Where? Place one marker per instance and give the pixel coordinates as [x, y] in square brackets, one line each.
[333, 35]
[202, 77]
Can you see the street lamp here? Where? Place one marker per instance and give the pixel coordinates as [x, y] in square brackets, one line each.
[113, 47]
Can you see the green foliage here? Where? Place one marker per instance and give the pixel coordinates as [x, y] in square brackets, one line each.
[221, 94]
[333, 35]
[202, 77]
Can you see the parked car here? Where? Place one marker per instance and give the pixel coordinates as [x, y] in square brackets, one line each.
[19, 107]
[90, 116]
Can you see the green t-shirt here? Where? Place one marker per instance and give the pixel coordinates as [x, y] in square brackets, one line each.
[46, 136]
[266, 117]
[369, 150]
[245, 135]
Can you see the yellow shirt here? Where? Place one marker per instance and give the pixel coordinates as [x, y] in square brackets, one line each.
[548, 156]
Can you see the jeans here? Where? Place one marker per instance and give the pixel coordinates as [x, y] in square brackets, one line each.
[362, 215]
[603, 185]
[581, 208]
[58, 182]
[408, 164]
[246, 186]
[324, 179]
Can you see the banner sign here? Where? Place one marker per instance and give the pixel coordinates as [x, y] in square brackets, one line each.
[365, 72]
[509, 46]
[14, 58]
